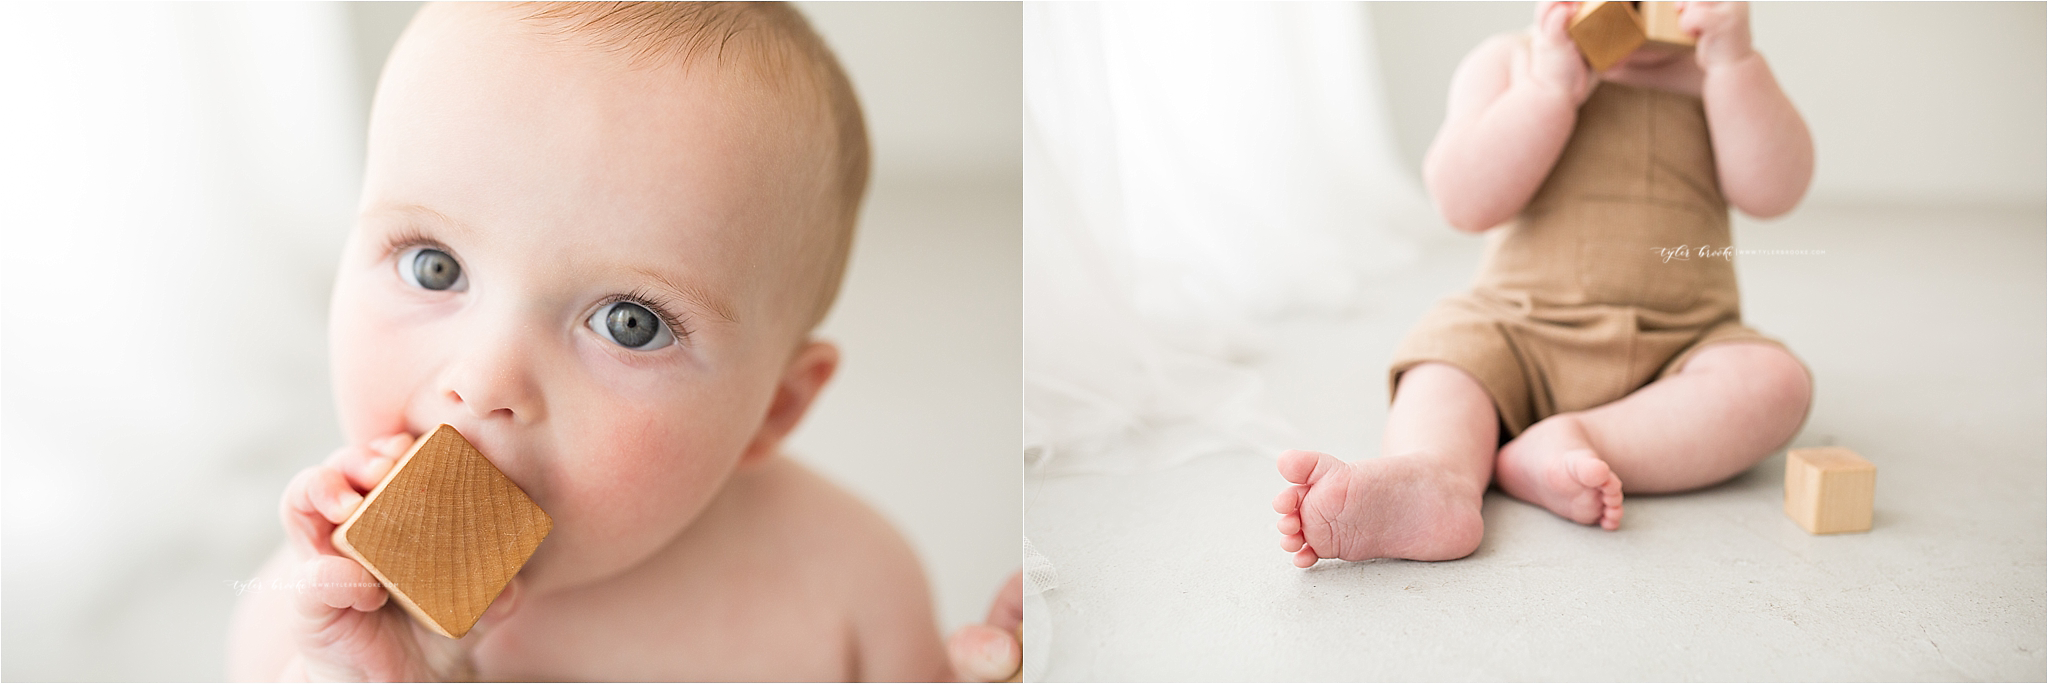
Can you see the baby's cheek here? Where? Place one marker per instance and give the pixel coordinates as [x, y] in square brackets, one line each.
[651, 465]
[375, 366]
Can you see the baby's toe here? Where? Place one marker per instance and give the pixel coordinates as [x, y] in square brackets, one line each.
[1296, 465]
[1289, 500]
[1589, 470]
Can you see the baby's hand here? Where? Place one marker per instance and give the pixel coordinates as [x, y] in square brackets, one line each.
[340, 633]
[990, 652]
[1554, 60]
[1723, 31]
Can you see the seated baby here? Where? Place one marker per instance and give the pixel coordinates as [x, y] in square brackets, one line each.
[596, 240]
[1601, 349]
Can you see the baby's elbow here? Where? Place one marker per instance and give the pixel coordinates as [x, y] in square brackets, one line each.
[1463, 213]
[1467, 217]
[1769, 205]
[1768, 211]
[1468, 224]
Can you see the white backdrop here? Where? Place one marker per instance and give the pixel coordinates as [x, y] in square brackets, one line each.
[1191, 172]
[175, 182]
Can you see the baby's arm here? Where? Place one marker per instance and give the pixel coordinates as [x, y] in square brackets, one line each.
[1761, 146]
[1513, 103]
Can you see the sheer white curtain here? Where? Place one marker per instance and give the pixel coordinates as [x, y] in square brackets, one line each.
[175, 183]
[1193, 172]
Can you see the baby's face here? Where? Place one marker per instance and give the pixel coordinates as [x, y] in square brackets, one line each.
[573, 263]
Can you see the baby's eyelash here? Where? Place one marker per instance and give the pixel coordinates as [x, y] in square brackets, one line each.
[655, 303]
[408, 238]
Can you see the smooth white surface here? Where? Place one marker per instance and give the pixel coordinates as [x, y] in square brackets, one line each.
[1926, 329]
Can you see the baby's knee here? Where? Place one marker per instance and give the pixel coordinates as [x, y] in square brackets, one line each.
[1781, 382]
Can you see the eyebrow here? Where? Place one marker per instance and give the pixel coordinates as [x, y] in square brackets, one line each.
[696, 296]
[422, 211]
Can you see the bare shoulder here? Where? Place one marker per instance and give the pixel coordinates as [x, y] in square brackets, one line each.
[861, 560]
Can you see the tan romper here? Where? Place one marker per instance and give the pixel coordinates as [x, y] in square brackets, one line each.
[1576, 303]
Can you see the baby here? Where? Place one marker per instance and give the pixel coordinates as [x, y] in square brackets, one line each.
[1602, 342]
[596, 239]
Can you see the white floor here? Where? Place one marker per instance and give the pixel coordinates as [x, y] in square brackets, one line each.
[1926, 329]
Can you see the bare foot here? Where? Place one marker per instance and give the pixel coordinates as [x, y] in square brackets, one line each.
[1395, 507]
[1553, 465]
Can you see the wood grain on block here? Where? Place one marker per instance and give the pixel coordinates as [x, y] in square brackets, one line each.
[1606, 32]
[1660, 24]
[445, 531]
[1829, 489]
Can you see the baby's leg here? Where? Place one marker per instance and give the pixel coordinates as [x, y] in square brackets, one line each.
[1727, 408]
[1420, 500]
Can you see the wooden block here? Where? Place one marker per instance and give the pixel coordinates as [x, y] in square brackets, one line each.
[1606, 32]
[1660, 24]
[1829, 489]
[445, 531]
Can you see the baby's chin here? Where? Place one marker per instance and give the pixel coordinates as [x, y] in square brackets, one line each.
[558, 566]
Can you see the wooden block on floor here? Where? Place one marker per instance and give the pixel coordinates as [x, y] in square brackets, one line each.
[1660, 24]
[1829, 489]
[1606, 32]
[445, 531]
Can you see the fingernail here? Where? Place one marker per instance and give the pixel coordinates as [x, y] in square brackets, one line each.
[997, 651]
[389, 443]
[346, 503]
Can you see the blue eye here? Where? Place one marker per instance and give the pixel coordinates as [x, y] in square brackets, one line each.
[430, 268]
[631, 326]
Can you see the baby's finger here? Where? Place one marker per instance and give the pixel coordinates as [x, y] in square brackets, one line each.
[1007, 611]
[1289, 500]
[366, 465]
[1555, 21]
[981, 653]
[317, 499]
[1305, 557]
[1292, 543]
[324, 492]
[327, 584]
[1289, 525]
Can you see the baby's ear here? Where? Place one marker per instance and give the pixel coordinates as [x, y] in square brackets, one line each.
[802, 379]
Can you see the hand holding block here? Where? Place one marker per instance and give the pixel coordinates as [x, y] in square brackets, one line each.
[1606, 32]
[1829, 489]
[445, 531]
[1660, 25]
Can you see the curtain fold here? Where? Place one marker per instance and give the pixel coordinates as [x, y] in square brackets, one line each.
[1193, 172]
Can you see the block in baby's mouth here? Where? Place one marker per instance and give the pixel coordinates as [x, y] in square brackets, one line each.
[445, 531]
